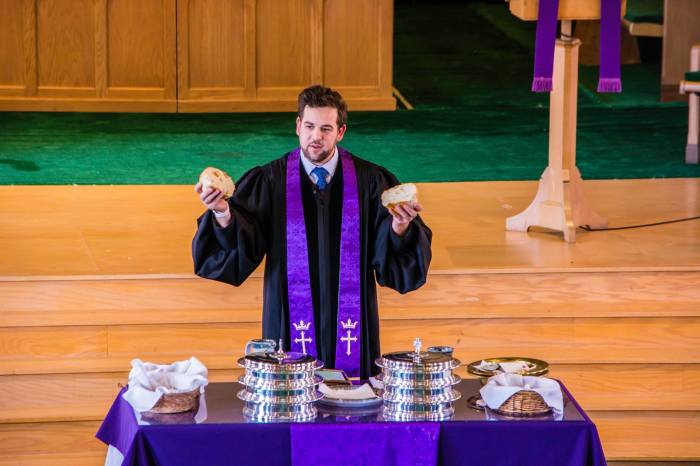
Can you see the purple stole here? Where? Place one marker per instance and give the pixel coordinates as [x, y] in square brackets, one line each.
[301, 313]
[609, 75]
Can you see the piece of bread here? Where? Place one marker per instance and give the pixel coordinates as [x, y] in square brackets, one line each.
[403, 193]
[218, 179]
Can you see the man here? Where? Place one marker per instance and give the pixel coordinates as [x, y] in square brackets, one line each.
[317, 215]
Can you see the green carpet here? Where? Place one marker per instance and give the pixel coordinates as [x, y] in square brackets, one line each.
[475, 119]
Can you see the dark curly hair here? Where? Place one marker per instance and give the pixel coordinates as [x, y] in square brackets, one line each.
[320, 96]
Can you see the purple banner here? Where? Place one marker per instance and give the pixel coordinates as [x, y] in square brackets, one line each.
[609, 78]
[545, 37]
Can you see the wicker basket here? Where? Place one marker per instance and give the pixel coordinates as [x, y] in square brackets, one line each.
[176, 403]
[188, 417]
[524, 403]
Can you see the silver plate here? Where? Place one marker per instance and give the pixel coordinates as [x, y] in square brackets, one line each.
[413, 412]
[301, 397]
[365, 403]
[427, 380]
[273, 377]
[271, 413]
[256, 383]
[420, 396]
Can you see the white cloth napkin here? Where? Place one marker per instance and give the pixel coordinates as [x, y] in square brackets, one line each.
[148, 382]
[364, 392]
[502, 386]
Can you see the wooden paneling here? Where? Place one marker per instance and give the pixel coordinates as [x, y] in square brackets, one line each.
[140, 41]
[89, 55]
[362, 65]
[283, 38]
[12, 48]
[353, 64]
[214, 48]
[66, 48]
[192, 55]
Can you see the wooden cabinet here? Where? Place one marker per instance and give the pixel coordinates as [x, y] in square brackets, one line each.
[192, 55]
[87, 55]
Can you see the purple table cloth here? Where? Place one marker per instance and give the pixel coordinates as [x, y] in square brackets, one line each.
[471, 437]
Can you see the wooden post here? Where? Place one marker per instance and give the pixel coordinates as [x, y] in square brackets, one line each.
[559, 203]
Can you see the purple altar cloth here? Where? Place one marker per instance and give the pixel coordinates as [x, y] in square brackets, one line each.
[390, 444]
[471, 438]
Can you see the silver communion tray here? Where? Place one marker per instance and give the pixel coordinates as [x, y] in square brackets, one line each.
[418, 411]
[420, 395]
[418, 385]
[267, 412]
[279, 386]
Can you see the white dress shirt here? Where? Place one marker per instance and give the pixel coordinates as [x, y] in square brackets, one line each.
[330, 166]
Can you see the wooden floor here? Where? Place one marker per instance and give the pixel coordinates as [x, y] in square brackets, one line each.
[126, 230]
[93, 276]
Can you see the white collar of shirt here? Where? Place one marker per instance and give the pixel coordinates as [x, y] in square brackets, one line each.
[330, 166]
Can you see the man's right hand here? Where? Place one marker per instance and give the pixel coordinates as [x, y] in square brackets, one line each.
[213, 199]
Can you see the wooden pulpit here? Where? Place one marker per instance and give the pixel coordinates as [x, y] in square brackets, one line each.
[559, 203]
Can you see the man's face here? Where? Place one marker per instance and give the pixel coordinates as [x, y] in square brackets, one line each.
[319, 133]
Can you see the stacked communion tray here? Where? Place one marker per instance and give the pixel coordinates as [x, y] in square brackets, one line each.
[418, 385]
[279, 386]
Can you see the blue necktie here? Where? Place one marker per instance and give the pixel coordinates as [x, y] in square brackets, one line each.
[321, 174]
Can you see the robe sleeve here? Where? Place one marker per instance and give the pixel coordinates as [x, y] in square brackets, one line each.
[399, 262]
[231, 254]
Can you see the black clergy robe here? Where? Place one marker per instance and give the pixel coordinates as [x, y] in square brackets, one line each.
[258, 228]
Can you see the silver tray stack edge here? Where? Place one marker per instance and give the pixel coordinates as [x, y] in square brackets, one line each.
[418, 385]
[279, 386]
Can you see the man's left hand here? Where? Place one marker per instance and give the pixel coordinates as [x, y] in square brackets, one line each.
[404, 214]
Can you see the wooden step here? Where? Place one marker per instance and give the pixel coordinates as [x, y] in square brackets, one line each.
[668, 435]
[62, 439]
[69, 397]
[600, 387]
[557, 340]
[96, 458]
[671, 435]
[149, 299]
[148, 229]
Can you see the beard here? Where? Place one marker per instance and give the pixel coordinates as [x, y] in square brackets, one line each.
[318, 157]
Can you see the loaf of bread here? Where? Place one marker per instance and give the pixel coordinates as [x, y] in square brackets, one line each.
[403, 193]
[218, 179]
